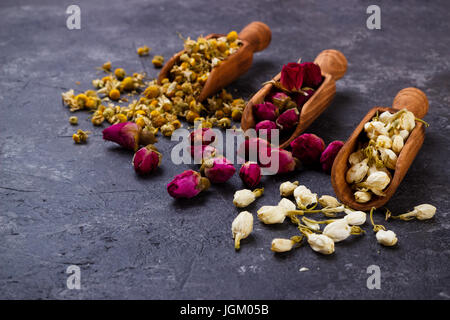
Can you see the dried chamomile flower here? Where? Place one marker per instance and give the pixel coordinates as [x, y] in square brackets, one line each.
[241, 227]
[158, 61]
[106, 66]
[287, 204]
[81, 136]
[287, 188]
[73, 120]
[243, 198]
[114, 94]
[119, 73]
[329, 202]
[284, 245]
[272, 214]
[420, 212]
[362, 196]
[304, 197]
[357, 172]
[143, 51]
[167, 129]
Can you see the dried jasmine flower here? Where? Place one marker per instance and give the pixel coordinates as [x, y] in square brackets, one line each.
[241, 227]
[243, 198]
[329, 202]
[272, 214]
[146, 160]
[287, 204]
[388, 157]
[386, 238]
[420, 212]
[337, 230]
[355, 218]
[284, 245]
[318, 242]
[287, 188]
[356, 157]
[376, 182]
[187, 185]
[362, 196]
[397, 143]
[357, 172]
[383, 142]
[304, 197]
[250, 174]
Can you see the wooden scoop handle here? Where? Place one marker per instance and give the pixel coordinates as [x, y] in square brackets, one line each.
[412, 99]
[257, 34]
[332, 62]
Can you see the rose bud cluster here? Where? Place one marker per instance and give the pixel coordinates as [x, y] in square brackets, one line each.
[146, 160]
[187, 184]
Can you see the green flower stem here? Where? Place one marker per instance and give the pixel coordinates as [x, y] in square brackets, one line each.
[376, 227]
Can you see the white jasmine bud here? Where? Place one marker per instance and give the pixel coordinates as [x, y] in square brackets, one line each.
[373, 168]
[243, 198]
[386, 117]
[272, 214]
[425, 211]
[388, 157]
[321, 243]
[377, 181]
[404, 134]
[357, 172]
[341, 208]
[362, 196]
[375, 128]
[407, 121]
[312, 225]
[287, 188]
[329, 202]
[241, 227]
[386, 238]
[282, 245]
[397, 143]
[304, 197]
[287, 204]
[355, 218]
[356, 157]
[383, 142]
[337, 230]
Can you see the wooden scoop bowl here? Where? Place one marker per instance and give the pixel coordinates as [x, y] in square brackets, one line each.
[410, 98]
[255, 36]
[333, 65]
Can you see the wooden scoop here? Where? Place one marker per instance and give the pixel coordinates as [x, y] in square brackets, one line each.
[410, 98]
[255, 36]
[333, 65]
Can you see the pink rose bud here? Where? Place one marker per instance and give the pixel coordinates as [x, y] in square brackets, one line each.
[301, 99]
[253, 149]
[146, 159]
[187, 184]
[312, 74]
[202, 152]
[291, 76]
[330, 153]
[288, 120]
[286, 162]
[264, 128]
[279, 99]
[265, 111]
[250, 174]
[307, 148]
[125, 134]
[203, 136]
[218, 170]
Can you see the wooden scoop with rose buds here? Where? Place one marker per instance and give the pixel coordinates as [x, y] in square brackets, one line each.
[333, 65]
[255, 36]
[413, 100]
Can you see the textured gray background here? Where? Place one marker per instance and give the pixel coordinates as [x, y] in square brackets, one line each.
[64, 204]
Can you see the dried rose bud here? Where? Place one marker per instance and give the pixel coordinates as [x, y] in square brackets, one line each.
[146, 159]
[300, 98]
[265, 127]
[125, 134]
[286, 162]
[254, 149]
[250, 174]
[308, 148]
[187, 184]
[241, 227]
[218, 170]
[202, 152]
[386, 238]
[287, 188]
[203, 136]
[312, 74]
[288, 120]
[265, 111]
[278, 98]
[329, 154]
[292, 76]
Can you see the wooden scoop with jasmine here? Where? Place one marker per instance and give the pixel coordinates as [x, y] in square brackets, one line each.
[255, 37]
[411, 99]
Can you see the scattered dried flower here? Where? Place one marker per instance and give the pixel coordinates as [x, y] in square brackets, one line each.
[146, 160]
[187, 185]
[218, 169]
[329, 154]
[304, 197]
[307, 148]
[250, 173]
[287, 188]
[272, 214]
[241, 227]
[243, 198]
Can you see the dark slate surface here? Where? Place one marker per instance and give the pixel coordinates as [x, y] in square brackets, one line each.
[64, 204]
